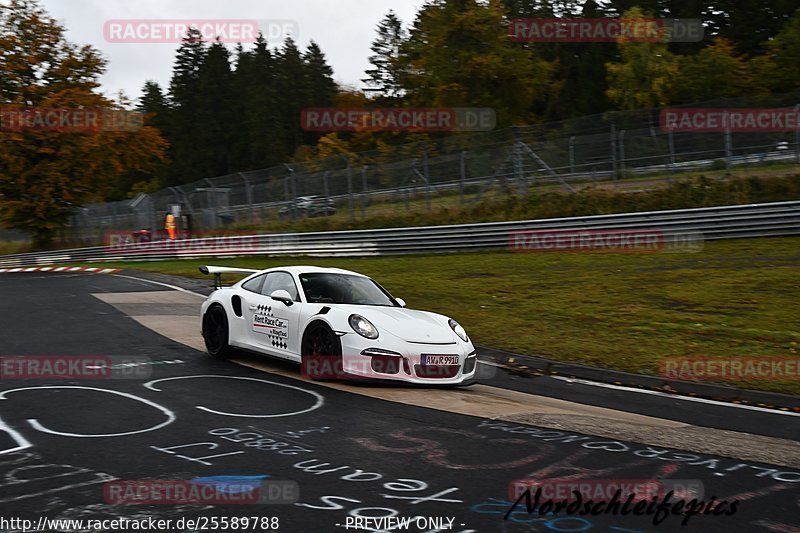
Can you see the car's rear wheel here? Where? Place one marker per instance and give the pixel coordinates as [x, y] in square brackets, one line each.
[321, 353]
[215, 332]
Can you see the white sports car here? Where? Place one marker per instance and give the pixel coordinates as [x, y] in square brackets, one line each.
[338, 324]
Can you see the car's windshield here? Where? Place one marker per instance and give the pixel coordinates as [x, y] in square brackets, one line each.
[343, 289]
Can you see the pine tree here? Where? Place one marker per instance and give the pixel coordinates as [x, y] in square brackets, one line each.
[749, 24]
[154, 104]
[383, 81]
[579, 68]
[183, 99]
[293, 94]
[260, 140]
[216, 124]
[185, 73]
[320, 88]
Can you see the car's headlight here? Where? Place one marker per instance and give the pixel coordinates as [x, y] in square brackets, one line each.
[460, 331]
[363, 327]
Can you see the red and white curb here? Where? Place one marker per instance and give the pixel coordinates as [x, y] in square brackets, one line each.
[61, 269]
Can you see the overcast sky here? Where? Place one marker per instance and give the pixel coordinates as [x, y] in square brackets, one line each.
[344, 29]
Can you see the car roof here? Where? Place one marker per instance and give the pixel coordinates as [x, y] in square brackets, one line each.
[308, 269]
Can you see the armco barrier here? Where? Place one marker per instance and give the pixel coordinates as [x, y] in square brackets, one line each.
[728, 222]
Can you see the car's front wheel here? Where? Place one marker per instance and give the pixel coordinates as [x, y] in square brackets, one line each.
[321, 353]
[215, 331]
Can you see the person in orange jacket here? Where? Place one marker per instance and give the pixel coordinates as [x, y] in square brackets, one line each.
[170, 226]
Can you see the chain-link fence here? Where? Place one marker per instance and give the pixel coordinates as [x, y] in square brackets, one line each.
[451, 171]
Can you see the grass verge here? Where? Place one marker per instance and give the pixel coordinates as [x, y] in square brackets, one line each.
[624, 196]
[626, 312]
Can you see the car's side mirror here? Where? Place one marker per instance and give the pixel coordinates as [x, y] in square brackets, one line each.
[400, 301]
[282, 296]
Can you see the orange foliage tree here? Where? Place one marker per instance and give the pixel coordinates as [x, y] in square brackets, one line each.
[46, 173]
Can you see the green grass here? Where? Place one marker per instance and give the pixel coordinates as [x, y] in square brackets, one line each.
[713, 188]
[14, 247]
[620, 311]
[766, 183]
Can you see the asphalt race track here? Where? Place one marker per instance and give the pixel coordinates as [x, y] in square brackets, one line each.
[178, 414]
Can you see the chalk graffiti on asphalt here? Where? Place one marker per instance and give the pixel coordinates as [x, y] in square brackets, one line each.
[26, 476]
[320, 400]
[645, 452]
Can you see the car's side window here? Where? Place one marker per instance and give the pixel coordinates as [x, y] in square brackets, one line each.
[254, 285]
[277, 281]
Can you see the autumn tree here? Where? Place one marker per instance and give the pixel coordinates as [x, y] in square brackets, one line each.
[46, 173]
[779, 69]
[458, 54]
[714, 72]
[645, 75]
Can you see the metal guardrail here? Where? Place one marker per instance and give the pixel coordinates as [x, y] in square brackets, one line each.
[727, 222]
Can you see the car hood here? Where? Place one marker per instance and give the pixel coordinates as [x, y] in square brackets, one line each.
[407, 324]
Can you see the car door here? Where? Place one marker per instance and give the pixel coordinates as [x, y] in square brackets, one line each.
[240, 322]
[274, 325]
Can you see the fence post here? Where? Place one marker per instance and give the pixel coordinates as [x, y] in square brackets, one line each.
[797, 137]
[427, 181]
[350, 205]
[572, 156]
[248, 192]
[410, 188]
[613, 151]
[462, 177]
[364, 192]
[622, 153]
[728, 141]
[519, 171]
[290, 191]
[671, 143]
[288, 198]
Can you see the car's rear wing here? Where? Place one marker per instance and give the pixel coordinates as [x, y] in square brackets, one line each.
[219, 271]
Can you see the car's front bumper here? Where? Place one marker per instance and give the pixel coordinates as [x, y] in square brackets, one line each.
[403, 361]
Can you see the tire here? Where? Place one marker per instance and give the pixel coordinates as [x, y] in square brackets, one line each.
[216, 332]
[321, 353]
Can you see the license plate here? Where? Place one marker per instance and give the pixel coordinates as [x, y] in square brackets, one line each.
[439, 360]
